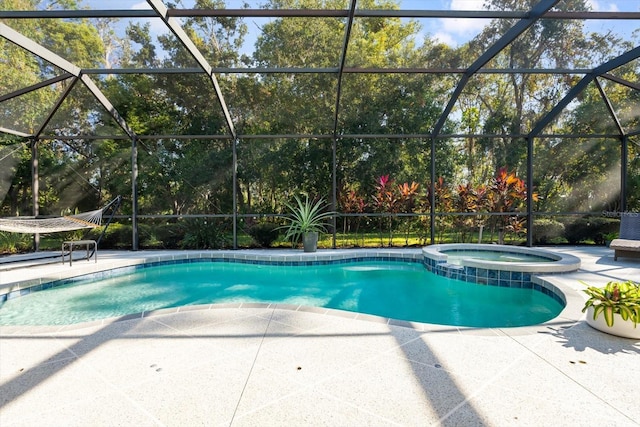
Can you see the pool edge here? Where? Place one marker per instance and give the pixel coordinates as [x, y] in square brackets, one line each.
[330, 256]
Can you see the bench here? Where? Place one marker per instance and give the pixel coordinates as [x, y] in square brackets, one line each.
[70, 244]
[628, 243]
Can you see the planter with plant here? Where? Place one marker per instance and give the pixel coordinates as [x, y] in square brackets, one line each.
[609, 237]
[619, 305]
[306, 219]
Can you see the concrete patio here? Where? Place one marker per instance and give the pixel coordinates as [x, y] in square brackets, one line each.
[269, 365]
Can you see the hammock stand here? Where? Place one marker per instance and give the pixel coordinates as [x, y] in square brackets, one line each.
[34, 225]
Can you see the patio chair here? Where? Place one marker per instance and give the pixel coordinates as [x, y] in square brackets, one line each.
[628, 244]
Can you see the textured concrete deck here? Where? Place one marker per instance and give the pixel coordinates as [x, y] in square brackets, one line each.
[272, 365]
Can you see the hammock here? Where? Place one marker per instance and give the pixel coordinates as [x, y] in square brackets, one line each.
[33, 225]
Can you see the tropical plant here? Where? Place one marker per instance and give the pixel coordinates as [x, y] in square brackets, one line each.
[465, 202]
[443, 198]
[386, 202]
[306, 216]
[408, 195]
[350, 201]
[616, 297]
[609, 237]
[507, 193]
[13, 242]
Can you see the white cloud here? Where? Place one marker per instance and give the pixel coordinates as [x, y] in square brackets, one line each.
[597, 6]
[466, 5]
[445, 38]
[462, 27]
[141, 5]
[454, 31]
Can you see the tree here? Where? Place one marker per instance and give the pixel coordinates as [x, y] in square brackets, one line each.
[510, 104]
[78, 42]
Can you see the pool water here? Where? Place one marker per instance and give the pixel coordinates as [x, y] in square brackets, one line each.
[454, 257]
[398, 290]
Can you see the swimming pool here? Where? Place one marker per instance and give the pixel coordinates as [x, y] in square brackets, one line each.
[395, 289]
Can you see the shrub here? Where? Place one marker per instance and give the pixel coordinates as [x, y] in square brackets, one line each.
[594, 228]
[161, 235]
[264, 233]
[150, 237]
[203, 234]
[576, 230]
[118, 236]
[545, 230]
[605, 227]
[14, 242]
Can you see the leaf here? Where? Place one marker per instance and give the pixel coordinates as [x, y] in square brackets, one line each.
[597, 309]
[306, 216]
[636, 315]
[587, 304]
[625, 312]
[608, 315]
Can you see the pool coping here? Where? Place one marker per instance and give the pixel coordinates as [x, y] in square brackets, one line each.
[570, 313]
[562, 263]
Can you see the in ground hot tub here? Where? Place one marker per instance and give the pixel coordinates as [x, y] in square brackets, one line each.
[499, 265]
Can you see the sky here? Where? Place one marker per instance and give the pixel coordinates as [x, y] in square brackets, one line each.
[453, 32]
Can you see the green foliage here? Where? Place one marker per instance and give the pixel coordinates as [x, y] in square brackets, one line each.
[152, 235]
[593, 228]
[616, 297]
[576, 230]
[264, 233]
[306, 216]
[507, 194]
[11, 243]
[351, 201]
[160, 235]
[195, 176]
[545, 230]
[607, 227]
[204, 234]
[118, 236]
[608, 237]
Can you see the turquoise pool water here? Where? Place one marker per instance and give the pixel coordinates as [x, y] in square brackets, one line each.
[455, 256]
[398, 290]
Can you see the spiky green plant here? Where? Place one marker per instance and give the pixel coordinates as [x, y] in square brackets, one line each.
[616, 297]
[306, 216]
[14, 242]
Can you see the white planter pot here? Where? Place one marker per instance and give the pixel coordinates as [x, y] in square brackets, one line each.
[621, 328]
[310, 241]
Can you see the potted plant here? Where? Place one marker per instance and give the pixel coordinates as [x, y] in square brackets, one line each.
[619, 304]
[609, 237]
[306, 220]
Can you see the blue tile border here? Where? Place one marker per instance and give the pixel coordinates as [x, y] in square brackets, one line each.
[490, 277]
[501, 273]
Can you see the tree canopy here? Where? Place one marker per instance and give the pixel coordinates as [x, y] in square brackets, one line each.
[321, 104]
